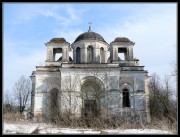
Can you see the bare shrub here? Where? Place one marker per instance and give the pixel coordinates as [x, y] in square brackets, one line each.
[21, 91]
[162, 105]
[12, 117]
[113, 122]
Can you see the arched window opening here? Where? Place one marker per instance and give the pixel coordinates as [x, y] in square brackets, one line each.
[78, 55]
[126, 102]
[90, 54]
[102, 55]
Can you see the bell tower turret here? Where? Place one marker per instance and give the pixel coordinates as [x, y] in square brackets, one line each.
[57, 46]
[121, 51]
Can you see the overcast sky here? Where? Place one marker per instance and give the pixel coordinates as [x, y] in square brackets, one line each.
[27, 26]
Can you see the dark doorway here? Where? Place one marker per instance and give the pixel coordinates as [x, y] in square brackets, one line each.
[126, 102]
[90, 108]
[54, 111]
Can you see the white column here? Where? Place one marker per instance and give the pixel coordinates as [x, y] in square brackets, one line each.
[83, 55]
[38, 104]
[50, 56]
[147, 99]
[130, 53]
[115, 54]
[105, 56]
[65, 55]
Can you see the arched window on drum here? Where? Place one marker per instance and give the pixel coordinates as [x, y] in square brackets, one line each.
[90, 55]
[102, 55]
[78, 55]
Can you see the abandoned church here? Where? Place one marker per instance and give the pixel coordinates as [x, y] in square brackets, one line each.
[90, 77]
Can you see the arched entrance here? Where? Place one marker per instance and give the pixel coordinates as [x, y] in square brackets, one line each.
[92, 94]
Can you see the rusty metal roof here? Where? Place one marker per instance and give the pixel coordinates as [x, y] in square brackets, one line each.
[90, 36]
[58, 40]
[121, 39]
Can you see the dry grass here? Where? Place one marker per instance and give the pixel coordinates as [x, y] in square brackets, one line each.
[15, 118]
[65, 121]
[162, 124]
[12, 117]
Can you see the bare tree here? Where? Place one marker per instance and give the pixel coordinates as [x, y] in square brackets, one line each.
[82, 90]
[91, 89]
[174, 76]
[154, 86]
[22, 90]
[99, 102]
[167, 100]
[161, 102]
[174, 69]
[7, 97]
[8, 102]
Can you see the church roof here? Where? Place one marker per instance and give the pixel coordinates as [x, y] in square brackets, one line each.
[90, 36]
[121, 39]
[58, 40]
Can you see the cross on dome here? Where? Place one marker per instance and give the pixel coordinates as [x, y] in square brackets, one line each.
[90, 27]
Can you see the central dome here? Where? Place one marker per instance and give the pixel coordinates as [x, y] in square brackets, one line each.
[90, 36]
